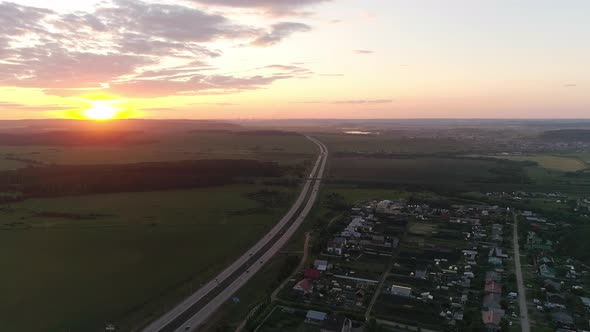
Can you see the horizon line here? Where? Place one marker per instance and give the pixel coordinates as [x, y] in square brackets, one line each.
[290, 119]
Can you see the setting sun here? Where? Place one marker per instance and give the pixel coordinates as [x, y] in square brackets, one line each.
[101, 111]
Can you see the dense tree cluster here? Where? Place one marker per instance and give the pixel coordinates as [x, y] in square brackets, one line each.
[92, 179]
[75, 138]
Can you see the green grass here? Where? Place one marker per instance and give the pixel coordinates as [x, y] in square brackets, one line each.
[9, 165]
[256, 291]
[141, 255]
[421, 228]
[280, 321]
[386, 143]
[428, 173]
[584, 156]
[557, 163]
[358, 194]
[183, 146]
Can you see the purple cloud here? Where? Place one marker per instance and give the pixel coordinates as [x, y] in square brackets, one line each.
[120, 47]
[274, 7]
[278, 32]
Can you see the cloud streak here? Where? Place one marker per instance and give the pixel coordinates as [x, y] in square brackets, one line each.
[7, 106]
[279, 32]
[349, 102]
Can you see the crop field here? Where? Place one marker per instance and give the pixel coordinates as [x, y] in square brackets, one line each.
[557, 163]
[86, 261]
[208, 145]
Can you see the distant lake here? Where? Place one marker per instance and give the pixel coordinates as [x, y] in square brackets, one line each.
[356, 132]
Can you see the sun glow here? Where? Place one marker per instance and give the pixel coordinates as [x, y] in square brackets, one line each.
[102, 111]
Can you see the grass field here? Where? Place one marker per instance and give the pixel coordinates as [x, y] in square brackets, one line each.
[421, 228]
[353, 195]
[391, 144]
[280, 321]
[77, 263]
[187, 146]
[450, 173]
[557, 163]
[584, 156]
[549, 180]
[9, 165]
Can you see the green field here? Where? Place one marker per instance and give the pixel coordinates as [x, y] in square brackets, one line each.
[584, 156]
[280, 321]
[557, 163]
[427, 172]
[9, 165]
[353, 195]
[387, 143]
[184, 146]
[77, 263]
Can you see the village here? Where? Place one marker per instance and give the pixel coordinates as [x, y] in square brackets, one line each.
[557, 284]
[389, 265]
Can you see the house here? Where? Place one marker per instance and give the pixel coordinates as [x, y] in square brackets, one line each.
[493, 287]
[535, 242]
[311, 274]
[305, 286]
[470, 254]
[555, 300]
[546, 271]
[336, 324]
[562, 318]
[352, 229]
[421, 273]
[336, 246]
[491, 319]
[495, 261]
[544, 260]
[320, 265]
[585, 301]
[315, 317]
[401, 291]
[491, 301]
[552, 286]
[390, 207]
[497, 252]
[493, 276]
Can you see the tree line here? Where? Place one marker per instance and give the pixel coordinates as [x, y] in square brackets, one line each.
[54, 181]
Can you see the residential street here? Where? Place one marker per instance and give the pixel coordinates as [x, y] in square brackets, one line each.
[524, 315]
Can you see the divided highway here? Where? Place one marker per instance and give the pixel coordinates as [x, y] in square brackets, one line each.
[193, 312]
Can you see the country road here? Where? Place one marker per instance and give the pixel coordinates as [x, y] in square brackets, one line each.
[193, 312]
[524, 314]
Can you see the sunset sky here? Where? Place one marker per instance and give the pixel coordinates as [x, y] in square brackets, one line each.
[295, 58]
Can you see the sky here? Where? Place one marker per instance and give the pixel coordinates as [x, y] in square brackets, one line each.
[273, 59]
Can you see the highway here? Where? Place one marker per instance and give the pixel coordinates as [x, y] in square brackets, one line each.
[193, 312]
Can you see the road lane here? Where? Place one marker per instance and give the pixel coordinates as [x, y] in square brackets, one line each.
[524, 314]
